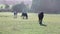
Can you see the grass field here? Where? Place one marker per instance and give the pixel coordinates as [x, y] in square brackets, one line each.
[9, 25]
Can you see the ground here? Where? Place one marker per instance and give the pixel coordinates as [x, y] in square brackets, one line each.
[9, 25]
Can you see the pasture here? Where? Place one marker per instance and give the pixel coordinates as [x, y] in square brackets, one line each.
[9, 25]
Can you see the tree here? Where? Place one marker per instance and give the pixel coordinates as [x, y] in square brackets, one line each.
[18, 7]
[49, 6]
[6, 6]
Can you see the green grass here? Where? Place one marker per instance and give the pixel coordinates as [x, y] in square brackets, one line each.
[9, 25]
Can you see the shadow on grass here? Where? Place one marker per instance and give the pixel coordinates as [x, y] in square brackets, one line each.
[43, 25]
[0, 32]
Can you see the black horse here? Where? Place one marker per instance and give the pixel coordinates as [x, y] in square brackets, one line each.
[24, 15]
[41, 16]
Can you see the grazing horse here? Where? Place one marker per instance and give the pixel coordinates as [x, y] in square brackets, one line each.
[40, 17]
[15, 14]
[24, 15]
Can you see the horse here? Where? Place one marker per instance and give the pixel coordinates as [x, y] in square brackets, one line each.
[24, 15]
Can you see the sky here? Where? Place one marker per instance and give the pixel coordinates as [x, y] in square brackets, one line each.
[15, 1]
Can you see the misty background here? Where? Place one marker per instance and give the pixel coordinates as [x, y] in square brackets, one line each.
[35, 6]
